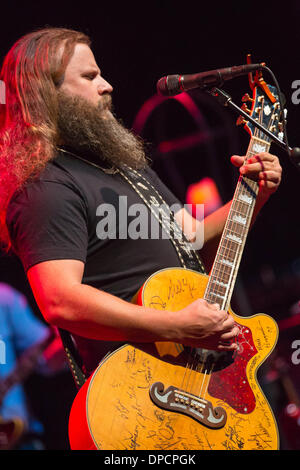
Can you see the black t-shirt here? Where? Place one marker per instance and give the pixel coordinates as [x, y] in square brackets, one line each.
[61, 215]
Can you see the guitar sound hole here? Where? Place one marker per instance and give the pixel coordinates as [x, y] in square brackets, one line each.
[208, 360]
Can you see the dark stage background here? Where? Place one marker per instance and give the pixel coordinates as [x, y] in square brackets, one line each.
[137, 43]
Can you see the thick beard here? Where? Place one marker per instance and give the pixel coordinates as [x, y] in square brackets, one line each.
[93, 130]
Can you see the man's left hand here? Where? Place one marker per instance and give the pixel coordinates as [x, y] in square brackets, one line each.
[263, 167]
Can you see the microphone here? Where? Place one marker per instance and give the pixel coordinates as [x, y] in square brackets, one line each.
[175, 84]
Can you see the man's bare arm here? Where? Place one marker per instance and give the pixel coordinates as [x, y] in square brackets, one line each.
[84, 310]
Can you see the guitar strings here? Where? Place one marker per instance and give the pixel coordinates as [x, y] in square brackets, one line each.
[227, 247]
[261, 135]
[191, 365]
[189, 385]
[188, 367]
[191, 370]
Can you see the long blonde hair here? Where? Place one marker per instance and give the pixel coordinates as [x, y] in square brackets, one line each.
[32, 71]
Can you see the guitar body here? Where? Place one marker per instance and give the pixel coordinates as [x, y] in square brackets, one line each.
[160, 397]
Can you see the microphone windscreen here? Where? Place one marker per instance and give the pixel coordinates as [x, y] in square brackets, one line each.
[169, 85]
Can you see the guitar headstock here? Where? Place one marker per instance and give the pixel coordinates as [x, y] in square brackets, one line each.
[265, 109]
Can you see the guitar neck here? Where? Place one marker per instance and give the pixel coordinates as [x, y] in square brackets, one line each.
[225, 268]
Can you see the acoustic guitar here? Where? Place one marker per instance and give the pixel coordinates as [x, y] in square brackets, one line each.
[166, 396]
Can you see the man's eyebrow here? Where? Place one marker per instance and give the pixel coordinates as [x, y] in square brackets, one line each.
[94, 68]
[90, 69]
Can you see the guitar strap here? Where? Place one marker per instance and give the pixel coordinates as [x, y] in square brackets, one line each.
[188, 257]
[73, 357]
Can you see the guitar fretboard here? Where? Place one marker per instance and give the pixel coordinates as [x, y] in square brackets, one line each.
[224, 271]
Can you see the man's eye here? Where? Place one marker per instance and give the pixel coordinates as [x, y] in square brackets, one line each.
[90, 76]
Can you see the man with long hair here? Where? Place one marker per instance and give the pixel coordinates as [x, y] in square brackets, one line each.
[62, 153]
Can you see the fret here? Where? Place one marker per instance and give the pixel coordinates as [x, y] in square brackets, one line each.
[223, 273]
[235, 227]
[226, 262]
[244, 189]
[229, 249]
[229, 239]
[240, 210]
[213, 291]
[241, 204]
[227, 246]
[223, 263]
[245, 198]
[218, 295]
[233, 238]
[216, 290]
[251, 153]
[239, 213]
[218, 279]
[219, 283]
[233, 235]
[249, 186]
[227, 252]
[258, 145]
[257, 139]
[214, 299]
[238, 219]
[209, 295]
[232, 229]
[223, 269]
[233, 224]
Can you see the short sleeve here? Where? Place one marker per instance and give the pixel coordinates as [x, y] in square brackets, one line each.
[48, 221]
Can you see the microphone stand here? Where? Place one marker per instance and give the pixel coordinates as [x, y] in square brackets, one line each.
[225, 100]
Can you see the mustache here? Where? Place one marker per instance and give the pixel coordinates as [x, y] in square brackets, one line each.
[105, 102]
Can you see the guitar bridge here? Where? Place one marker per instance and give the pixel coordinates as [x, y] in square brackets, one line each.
[201, 410]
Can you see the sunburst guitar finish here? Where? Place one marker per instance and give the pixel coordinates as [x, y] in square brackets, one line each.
[165, 397]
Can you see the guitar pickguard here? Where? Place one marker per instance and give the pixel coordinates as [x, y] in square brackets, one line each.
[239, 395]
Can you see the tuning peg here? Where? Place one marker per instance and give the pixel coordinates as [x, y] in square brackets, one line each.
[241, 121]
[246, 98]
[245, 108]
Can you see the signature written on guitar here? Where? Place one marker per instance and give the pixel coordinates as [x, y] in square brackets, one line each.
[175, 288]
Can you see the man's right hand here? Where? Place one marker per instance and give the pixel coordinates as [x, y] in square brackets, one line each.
[202, 324]
[86, 311]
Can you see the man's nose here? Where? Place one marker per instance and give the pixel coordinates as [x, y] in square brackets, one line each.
[104, 87]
